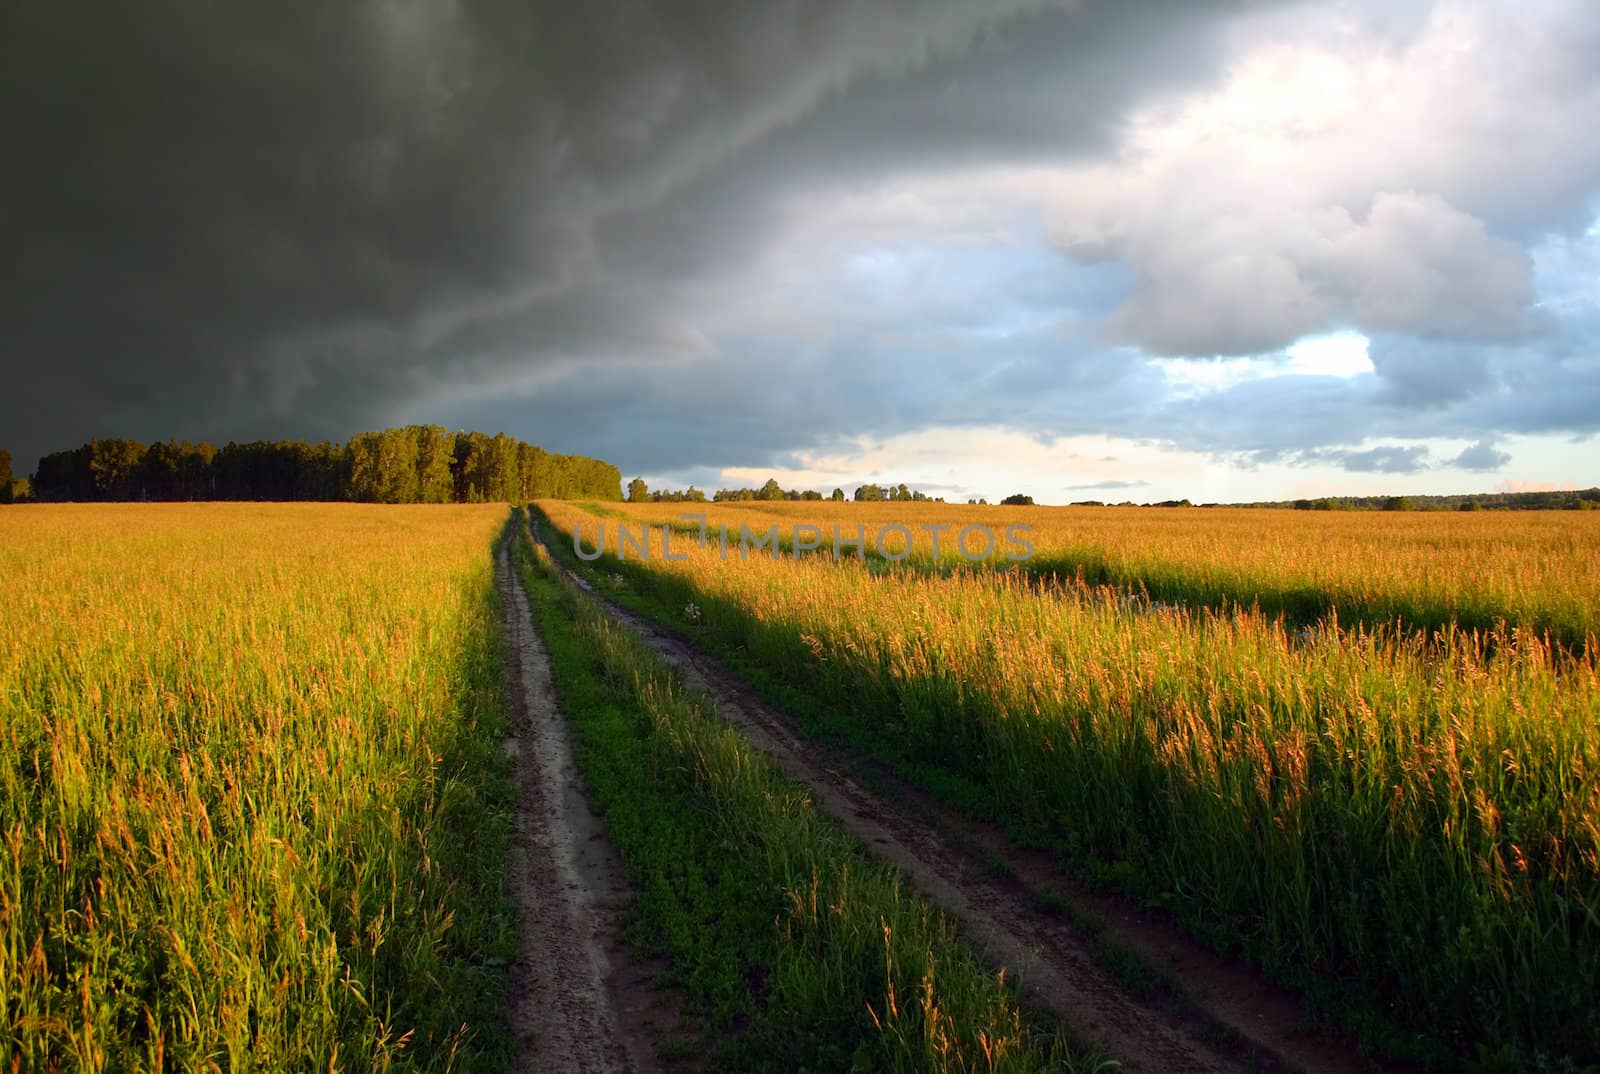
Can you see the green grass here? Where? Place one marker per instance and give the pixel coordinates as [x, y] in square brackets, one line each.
[803, 953]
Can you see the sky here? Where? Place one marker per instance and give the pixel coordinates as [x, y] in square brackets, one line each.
[1134, 250]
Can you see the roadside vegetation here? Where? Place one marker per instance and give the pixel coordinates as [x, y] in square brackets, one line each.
[253, 812]
[1404, 826]
[801, 952]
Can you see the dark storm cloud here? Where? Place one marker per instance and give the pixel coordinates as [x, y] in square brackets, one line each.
[229, 220]
[755, 401]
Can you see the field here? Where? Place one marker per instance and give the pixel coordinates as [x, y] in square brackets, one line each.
[1403, 823]
[1422, 569]
[258, 812]
[265, 779]
[252, 806]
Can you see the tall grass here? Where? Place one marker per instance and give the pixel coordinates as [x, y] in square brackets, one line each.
[1425, 570]
[252, 810]
[1408, 826]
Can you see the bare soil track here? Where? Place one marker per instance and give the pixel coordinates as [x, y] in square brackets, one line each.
[1231, 1020]
[581, 1003]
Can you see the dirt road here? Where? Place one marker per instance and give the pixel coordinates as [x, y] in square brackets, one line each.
[1231, 1021]
[580, 1003]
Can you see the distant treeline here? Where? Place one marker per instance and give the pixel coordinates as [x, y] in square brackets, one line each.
[639, 492]
[1160, 503]
[414, 464]
[1563, 500]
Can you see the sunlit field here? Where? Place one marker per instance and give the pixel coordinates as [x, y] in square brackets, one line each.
[1404, 823]
[252, 810]
[254, 813]
[1425, 569]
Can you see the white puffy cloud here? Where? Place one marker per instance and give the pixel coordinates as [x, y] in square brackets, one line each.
[1340, 176]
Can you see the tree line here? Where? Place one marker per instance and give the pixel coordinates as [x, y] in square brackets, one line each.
[413, 464]
[1551, 500]
[640, 492]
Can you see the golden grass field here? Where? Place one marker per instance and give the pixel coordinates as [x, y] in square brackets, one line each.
[252, 809]
[1408, 820]
[1425, 568]
[254, 813]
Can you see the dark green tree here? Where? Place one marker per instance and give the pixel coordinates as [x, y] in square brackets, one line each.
[471, 461]
[503, 483]
[638, 491]
[533, 472]
[435, 451]
[383, 467]
[117, 466]
[163, 469]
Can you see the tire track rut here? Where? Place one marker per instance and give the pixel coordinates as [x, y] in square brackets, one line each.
[580, 1002]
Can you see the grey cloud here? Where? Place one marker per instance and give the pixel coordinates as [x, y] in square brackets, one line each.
[1105, 486]
[1378, 460]
[773, 398]
[1211, 283]
[1419, 389]
[1266, 420]
[1481, 457]
[1424, 374]
[1388, 459]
